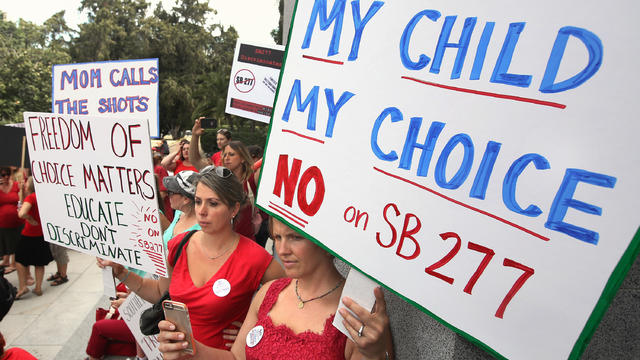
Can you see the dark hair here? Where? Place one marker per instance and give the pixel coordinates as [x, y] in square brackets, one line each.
[224, 132]
[5, 170]
[228, 188]
[157, 158]
[255, 151]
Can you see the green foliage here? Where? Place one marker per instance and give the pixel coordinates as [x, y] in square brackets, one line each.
[194, 59]
[28, 52]
[276, 34]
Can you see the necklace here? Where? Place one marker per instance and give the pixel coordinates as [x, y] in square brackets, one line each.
[302, 302]
[219, 255]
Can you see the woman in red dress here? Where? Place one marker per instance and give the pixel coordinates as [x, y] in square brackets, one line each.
[32, 249]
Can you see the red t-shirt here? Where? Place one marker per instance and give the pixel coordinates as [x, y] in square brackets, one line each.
[9, 208]
[211, 309]
[17, 354]
[216, 158]
[162, 173]
[32, 230]
[180, 166]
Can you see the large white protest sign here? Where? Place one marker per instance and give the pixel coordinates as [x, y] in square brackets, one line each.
[130, 310]
[253, 81]
[96, 188]
[477, 158]
[121, 89]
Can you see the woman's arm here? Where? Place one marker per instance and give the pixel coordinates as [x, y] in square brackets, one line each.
[374, 341]
[194, 150]
[23, 213]
[274, 271]
[148, 289]
[164, 222]
[169, 161]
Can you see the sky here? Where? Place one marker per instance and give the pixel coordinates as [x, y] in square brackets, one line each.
[253, 19]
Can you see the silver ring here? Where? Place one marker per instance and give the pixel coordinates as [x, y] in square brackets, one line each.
[360, 330]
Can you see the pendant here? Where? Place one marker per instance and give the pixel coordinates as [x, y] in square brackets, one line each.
[300, 304]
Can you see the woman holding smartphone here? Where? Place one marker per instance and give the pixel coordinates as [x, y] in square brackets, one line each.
[291, 318]
[218, 270]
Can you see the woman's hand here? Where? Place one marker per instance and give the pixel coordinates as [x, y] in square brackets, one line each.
[231, 333]
[116, 268]
[171, 341]
[370, 331]
[197, 128]
[117, 302]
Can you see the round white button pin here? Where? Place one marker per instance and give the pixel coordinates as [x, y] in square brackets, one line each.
[254, 336]
[221, 287]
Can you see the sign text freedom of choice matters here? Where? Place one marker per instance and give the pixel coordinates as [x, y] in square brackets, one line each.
[95, 187]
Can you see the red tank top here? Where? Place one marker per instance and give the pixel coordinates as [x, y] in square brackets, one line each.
[280, 342]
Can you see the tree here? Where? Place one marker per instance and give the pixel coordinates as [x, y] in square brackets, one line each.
[116, 30]
[194, 64]
[28, 52]
[276, 34]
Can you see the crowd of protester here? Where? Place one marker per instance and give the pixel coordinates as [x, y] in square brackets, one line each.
[242, 303]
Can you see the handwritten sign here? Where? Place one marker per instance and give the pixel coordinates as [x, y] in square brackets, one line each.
[96, 188]
[477, 158]
[253, 81]
[130, 310]
[119, 89]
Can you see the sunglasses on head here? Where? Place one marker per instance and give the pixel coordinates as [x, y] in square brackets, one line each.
[221, 171]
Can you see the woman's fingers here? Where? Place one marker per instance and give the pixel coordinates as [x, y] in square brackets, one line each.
[381, 304]
[360, 312]
[351, 323]
[166, 325]
[171, 342]
[171, 351]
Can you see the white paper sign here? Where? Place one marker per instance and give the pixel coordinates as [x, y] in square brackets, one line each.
[254, 80]
[117, 89]
[360, 289]
[96, 188]
[478, 158]
[130, 310]
[108, 282]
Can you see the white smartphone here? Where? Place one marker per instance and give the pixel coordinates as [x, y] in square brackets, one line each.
[177, 313]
